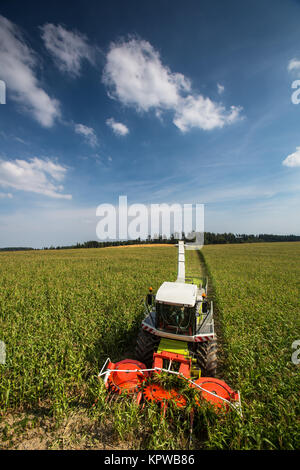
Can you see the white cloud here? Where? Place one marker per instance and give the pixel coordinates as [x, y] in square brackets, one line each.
[18, 64]
[6, 195]
[88, 133]
[118, 128]
[36, 175]
[294, 64]
[135, 75]
[292, 160]
[221, 88]
[68, 48]
[203, 113]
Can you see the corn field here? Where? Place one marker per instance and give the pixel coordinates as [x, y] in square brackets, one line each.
[62, 313]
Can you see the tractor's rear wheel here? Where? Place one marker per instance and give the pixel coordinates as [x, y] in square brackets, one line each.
[145, 347]
[206, 355]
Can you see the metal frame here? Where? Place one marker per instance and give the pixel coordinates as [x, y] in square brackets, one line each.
[235, 405]
[207, 327]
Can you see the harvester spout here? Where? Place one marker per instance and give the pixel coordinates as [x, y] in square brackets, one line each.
[181, 263]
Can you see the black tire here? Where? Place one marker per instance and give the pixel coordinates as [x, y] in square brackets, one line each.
[206, 355]
[146, 345]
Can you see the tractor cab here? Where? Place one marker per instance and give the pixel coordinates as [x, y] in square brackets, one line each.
[175, 306]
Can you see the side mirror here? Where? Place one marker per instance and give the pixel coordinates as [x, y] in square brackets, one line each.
[149, 299]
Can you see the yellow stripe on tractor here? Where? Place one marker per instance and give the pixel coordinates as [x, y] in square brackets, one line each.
[179, 347]
[173, 346]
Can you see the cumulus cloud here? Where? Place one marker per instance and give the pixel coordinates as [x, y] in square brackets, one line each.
[293, 160]
[117, 127]
[203, 113]
[221, 88]
[67, 48]
[36, 175]
[135, 76]
[88, 133]
[294, 64]
[18, 70]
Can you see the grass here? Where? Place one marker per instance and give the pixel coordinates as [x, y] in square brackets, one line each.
[62, 313]
[256, 291]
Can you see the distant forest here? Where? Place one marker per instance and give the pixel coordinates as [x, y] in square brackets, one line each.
[209, 239]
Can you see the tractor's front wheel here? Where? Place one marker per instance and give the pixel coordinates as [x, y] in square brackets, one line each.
[206, 355]
[145, 347]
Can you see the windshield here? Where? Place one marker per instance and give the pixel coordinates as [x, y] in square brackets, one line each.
[175, 316]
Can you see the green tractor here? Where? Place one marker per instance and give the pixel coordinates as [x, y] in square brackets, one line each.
[179, 319]
[176, 337]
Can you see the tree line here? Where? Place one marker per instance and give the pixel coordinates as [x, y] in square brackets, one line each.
[210, 238]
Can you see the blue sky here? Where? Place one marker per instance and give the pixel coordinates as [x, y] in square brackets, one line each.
[165, 102]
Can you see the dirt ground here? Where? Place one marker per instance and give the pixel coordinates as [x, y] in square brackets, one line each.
[37, 431]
